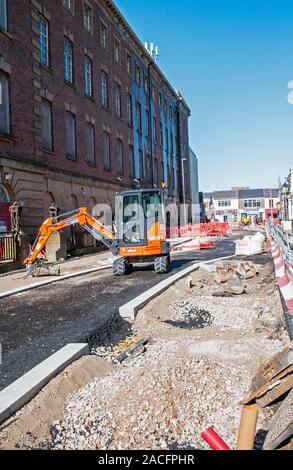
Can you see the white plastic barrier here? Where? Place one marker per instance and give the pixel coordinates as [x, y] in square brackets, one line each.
[250, 245]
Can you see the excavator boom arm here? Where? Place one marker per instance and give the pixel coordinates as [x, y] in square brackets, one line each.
[79, 217]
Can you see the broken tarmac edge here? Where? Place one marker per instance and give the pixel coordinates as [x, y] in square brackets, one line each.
[51, 281]
[129, 310]
[20, 392]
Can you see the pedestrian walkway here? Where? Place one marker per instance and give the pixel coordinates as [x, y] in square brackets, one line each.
[75, 266]
[17, 281]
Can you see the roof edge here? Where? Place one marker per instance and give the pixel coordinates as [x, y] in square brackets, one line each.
[115, 10]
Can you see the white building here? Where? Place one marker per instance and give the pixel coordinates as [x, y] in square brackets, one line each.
[234, 205]
[226, 206]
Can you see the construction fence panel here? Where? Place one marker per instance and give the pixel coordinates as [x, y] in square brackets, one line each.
[210, 229]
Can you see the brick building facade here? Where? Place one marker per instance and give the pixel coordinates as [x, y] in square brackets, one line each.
[84, 111]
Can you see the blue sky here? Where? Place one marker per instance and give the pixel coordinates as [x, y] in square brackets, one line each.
[232, 61]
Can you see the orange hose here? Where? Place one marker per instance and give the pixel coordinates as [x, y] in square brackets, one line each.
[247, 428]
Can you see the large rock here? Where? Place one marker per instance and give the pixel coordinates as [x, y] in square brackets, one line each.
[56, 247]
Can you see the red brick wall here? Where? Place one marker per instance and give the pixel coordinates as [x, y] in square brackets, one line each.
[18, 53]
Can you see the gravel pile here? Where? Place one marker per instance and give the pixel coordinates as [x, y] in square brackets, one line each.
[162, 400]
[229, 313]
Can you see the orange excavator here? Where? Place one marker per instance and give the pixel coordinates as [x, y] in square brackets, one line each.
[140, 232]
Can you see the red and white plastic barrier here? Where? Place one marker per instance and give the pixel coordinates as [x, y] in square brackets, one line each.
[285, 284]
[279, 262]
[211, 229]
[284, 279]
[281, 248]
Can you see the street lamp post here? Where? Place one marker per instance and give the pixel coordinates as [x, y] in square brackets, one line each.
[184, 188]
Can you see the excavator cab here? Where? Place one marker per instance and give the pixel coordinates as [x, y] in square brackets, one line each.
[141, 230]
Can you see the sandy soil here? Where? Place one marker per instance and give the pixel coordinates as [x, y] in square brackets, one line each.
[30, 427]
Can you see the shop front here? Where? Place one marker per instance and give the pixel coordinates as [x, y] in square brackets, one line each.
[272, 213]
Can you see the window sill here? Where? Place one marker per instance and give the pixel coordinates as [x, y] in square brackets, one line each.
[71, 85]
[72, 159]
[107, 170]
[9, 138]
[89, 31]
[91, 164]
[105, 109]
[90, 98]
[6, 34]
[104, 48]
[49, 152]
[47, 68]
[69, 11]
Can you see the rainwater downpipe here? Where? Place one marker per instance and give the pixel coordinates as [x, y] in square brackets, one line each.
[151, 123]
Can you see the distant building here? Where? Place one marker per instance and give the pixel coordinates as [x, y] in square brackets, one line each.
[234, 205]
[208, 206]
[203, 216]
[194, 186]
[259, 203]
[238, 188]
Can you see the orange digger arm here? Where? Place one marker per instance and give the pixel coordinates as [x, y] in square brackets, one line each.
[78, 217]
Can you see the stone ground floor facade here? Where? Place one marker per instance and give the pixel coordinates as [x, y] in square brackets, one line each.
[37, 189]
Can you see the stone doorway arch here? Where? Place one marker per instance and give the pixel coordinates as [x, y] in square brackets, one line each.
[47, 203]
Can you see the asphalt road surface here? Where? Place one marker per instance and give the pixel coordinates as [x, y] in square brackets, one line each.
[35, 324]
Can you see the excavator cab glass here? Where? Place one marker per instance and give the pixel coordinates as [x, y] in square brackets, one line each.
[152, 206]
[137, 212]
[132, 222]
